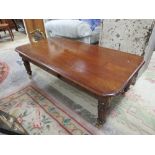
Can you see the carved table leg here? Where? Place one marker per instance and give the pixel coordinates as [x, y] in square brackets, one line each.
[134, 79]
[27, 67]
[103, 108]
[131, 82]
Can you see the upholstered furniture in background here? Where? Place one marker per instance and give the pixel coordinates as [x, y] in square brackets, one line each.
[81, 30]
[136, 36]
[130, 35]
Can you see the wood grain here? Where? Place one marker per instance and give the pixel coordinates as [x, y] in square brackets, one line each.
[99, 71]
[102, 71]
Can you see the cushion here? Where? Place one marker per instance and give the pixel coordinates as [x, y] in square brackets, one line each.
[68, 28]
[93, 23]
[130, 36]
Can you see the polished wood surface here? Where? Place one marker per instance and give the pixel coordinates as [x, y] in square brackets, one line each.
[5, 27]
[102, 71]
[11, 22]
[99, 71]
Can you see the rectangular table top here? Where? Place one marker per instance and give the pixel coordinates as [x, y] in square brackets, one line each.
[102, 71]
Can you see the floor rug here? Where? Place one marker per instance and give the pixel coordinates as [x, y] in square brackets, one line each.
[4, 69]
[39, 114]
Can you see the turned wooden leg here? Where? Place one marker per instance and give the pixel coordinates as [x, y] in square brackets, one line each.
[131, 82]
[27, 67]
[103, 109]
[11, 34]
[134, 79]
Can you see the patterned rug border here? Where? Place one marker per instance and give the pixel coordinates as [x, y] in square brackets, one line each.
[78, 119]
[55, 102]
[73, 115]
[6, 73]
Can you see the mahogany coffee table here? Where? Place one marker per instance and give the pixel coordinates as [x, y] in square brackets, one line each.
[99, 71]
